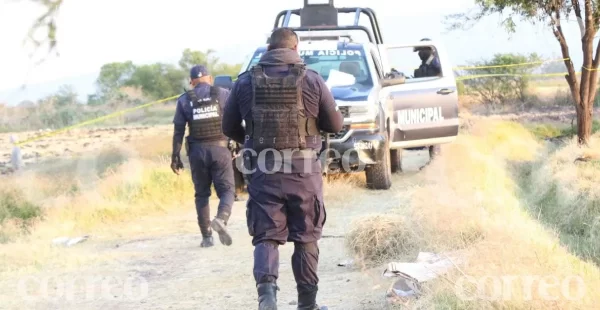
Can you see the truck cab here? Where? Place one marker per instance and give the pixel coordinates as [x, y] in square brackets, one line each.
[385, 110]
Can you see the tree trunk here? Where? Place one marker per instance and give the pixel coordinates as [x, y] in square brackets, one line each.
[584, 121]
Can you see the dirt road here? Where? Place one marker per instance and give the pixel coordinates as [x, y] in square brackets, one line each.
[166, 268]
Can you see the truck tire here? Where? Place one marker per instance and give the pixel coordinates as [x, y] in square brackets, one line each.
[379, 176]
[396, 160]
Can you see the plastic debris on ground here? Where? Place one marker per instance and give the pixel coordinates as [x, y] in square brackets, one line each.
[427, 267]
[66, 241]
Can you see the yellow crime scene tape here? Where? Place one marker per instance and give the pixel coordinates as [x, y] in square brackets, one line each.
[95, 120]
[511, 65]
[469, 77]
[459, 78]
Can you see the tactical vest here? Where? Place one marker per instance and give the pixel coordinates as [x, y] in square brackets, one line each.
[205, 124]
[426, 69]
[278, 119]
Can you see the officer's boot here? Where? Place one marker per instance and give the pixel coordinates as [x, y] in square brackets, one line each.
[207, 239]
[220, 226]
[307, 300]
[267, 296]
[207, 242]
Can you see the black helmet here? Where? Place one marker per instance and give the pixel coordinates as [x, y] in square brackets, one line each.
[417, 48]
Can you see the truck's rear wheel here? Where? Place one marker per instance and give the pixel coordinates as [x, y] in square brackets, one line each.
[379, 176]
[396, 160]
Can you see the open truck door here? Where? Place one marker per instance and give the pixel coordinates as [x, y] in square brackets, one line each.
[422, 111]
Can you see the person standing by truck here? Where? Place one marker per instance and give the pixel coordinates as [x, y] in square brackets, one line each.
[430, 66]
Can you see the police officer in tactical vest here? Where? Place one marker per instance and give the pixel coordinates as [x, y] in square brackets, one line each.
[430, 66]
[207, 149]
[284, 106]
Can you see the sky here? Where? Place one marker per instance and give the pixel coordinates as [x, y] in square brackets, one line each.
[94, 32]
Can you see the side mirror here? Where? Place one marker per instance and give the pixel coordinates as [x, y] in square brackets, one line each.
[393, 78]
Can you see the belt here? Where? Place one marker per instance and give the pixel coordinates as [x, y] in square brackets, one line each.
[297, 153]
[222, 143]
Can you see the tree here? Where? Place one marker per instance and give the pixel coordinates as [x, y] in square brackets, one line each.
[114, 76]
[227, 69]
[189, 58]
[553, 12]
[499, 82]
[158, 80]
[66, 96]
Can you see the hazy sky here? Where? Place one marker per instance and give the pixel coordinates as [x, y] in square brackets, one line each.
[94, 32]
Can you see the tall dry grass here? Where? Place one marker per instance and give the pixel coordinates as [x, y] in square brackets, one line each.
[471, 204]
[86, 196]
[561, 188]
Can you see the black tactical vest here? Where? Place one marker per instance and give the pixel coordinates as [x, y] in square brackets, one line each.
[426, 70]
[278, 119]
[205, 124]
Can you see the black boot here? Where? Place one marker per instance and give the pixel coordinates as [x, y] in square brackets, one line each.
[307, 300]
[220, 226]
[207, 242]
[267, 296]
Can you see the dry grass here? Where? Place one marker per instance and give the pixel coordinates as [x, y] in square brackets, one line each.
[470, 203]
[566, 195]
[379, 238]
[88, 196]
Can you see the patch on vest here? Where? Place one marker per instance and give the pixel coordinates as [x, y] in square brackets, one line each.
[205, 112]
[200, 101]
[420, 116]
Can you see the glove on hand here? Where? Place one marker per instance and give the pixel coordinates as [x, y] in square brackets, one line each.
[176, 164]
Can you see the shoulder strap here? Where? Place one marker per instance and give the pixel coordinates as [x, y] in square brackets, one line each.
[192, 94]
[298, 69]
[214, 93]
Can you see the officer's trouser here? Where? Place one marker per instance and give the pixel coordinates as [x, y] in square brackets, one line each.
[286, 207]
[210, 163]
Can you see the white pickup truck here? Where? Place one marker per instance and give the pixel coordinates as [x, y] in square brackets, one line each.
[384, 112]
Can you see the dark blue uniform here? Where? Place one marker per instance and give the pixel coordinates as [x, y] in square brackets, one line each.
[430, 67]
[285, 206]
[210, 161]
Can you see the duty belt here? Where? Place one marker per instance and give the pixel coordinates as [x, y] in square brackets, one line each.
[296, 153]
[223, 143]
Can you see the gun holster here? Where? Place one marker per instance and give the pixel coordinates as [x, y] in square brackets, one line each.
[249, 162]
[187, 148]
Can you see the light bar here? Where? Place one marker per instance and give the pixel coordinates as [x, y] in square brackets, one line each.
[328, 33]
[318, 2]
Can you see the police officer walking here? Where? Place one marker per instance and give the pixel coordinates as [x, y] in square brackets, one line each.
[430, 66]
[207, 148]
[284, 106]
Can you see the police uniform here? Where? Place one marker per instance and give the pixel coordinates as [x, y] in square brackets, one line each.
[430, 66]
[207, 149]
[286, 112]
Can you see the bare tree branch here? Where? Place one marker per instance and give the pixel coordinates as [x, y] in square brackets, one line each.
[588, 51]
[47, 21]
[571, 78]
[577, 9]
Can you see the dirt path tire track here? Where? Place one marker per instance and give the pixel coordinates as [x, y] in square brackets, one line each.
[181, 275]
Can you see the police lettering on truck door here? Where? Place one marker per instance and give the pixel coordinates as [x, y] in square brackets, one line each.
[420, 116]
[205, 111]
